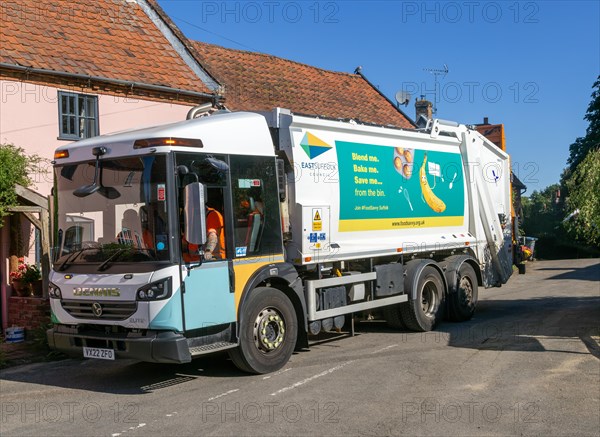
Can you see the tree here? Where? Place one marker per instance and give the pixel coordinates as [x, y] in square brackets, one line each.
[14, 164]
[584, 199]
[591, 141]
[582, 177]
[543, 212]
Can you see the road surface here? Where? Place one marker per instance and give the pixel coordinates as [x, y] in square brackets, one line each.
[527, 364]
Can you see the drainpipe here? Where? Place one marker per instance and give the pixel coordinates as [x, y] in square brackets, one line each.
[4, 238]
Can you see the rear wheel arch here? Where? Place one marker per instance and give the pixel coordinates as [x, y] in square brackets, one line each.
[452, 265]
[427, 291]
[413, 271]
[473, 263]
[461, 299]
[397, 316]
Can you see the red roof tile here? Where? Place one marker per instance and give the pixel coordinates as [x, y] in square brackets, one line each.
[256, 81]
[108, 38]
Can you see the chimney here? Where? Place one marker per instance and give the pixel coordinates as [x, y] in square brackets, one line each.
[423, 107]
[485, 120]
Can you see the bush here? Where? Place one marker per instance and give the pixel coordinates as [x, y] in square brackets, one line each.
[13, 170]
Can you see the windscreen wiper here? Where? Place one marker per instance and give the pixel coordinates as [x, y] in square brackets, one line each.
[72, 257]
[104, 265]
[149, 252]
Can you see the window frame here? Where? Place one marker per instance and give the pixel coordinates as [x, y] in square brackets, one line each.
[118, 266]
[271, 242]
[62, 135]
[224, 185]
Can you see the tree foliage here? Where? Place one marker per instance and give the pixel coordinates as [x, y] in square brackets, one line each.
[582, 177]
[584, 199]
[14, 164]
[591, 141]
[543, 212]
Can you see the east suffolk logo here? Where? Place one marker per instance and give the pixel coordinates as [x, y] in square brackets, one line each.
[313, 146]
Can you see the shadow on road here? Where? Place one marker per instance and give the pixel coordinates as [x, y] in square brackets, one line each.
[537, 325]
[533, 325]
[588, 273]
[547, 324]
[121, 376]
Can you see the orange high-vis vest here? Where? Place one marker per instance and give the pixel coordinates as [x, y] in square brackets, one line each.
[214, 222]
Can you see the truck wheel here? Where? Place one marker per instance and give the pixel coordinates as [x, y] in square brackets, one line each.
[268, 332]
[423, 313]
[392, 316]
[461, 304]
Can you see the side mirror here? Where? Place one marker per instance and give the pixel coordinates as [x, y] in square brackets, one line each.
[194, 214]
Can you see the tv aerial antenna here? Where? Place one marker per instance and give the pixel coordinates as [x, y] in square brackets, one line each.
[437, 72]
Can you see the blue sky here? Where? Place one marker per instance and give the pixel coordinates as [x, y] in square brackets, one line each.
[529, 65]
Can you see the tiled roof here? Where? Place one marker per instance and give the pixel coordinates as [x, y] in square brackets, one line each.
[493, 132]
[256, 81]
[113, 39]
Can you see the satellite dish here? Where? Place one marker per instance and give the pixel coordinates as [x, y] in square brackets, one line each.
[403, 98]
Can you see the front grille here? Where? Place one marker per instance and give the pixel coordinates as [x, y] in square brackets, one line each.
[111, 310]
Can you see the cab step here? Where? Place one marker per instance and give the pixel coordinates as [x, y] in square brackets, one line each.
[210, 348]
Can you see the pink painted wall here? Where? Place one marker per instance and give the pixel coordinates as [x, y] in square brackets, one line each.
[29, 119]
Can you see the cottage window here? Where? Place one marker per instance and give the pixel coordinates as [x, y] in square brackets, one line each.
[78, 116]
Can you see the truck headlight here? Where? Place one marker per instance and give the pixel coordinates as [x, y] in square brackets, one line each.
[54, 291]
[155, 291]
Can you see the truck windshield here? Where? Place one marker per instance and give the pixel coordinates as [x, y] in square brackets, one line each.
[122, 222]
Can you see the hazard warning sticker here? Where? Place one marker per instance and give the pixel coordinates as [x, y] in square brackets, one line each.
[317, 221]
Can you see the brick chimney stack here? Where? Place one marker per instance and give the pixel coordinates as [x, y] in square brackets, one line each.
[423, 107]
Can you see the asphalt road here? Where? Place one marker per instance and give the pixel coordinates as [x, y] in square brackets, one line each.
[527, 364]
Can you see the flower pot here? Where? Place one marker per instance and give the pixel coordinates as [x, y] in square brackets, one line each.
[38, 290]
[21, 288]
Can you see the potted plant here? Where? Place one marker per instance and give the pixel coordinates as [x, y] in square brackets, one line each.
[27, 279]
[17, 284]
[32, 277]
[16, 280]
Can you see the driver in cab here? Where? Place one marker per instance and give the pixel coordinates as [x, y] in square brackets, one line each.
[214, 249]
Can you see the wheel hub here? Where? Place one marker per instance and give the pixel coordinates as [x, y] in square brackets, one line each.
[269, 330]
[429, 299]
[467, 290]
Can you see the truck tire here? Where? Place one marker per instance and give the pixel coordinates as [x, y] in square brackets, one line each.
[268, 332]
[462, 303]
[425, 311]
[393, 318]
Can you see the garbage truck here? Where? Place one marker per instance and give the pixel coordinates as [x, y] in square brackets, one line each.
[320, 220]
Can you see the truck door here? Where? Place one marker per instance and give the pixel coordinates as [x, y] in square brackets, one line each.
[208, 297]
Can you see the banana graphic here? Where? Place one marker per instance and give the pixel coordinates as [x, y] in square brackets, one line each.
[432, 200]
